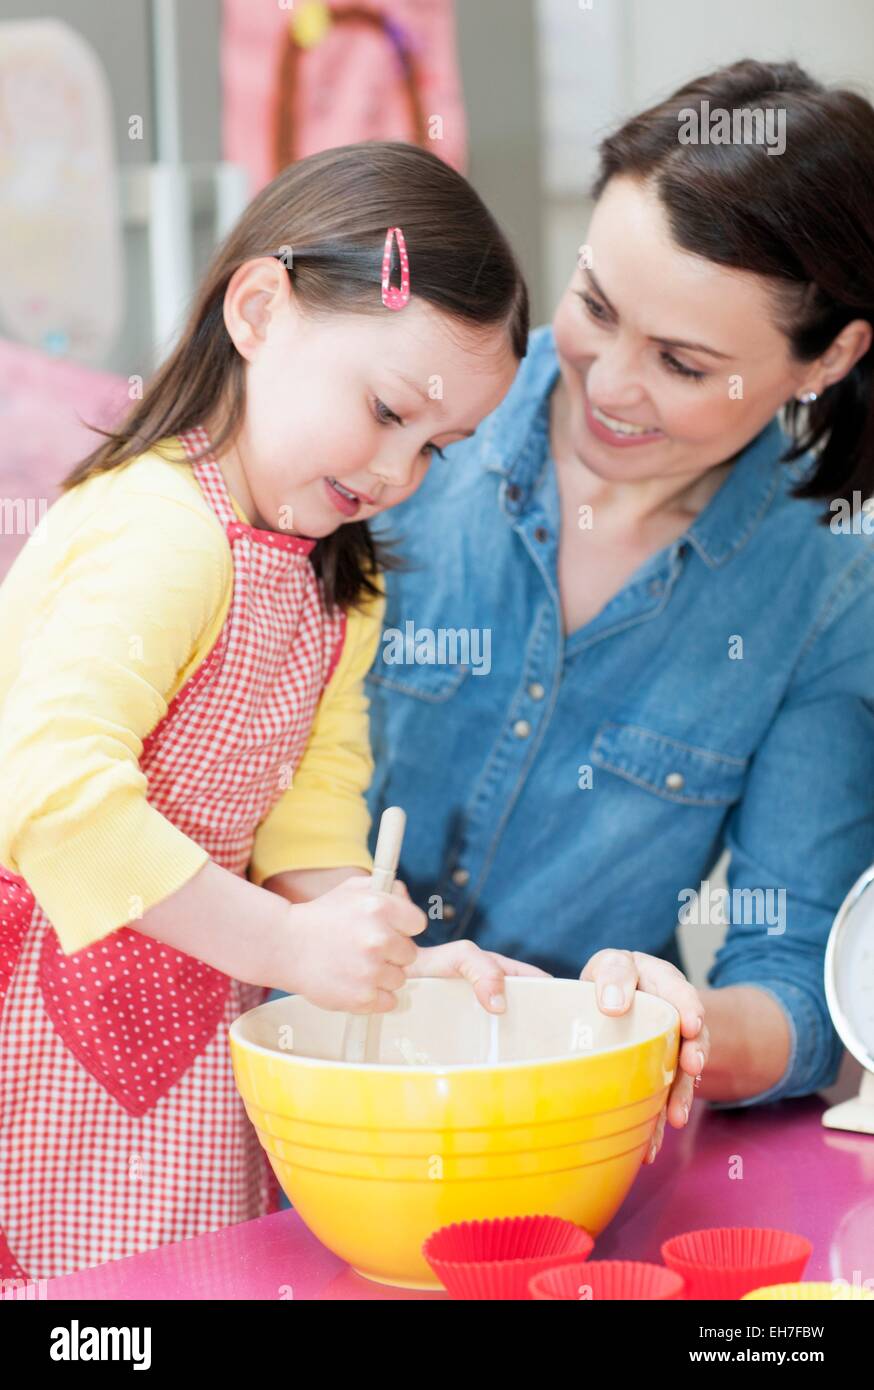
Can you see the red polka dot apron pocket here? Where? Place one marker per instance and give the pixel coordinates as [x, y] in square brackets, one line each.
[122, 1046]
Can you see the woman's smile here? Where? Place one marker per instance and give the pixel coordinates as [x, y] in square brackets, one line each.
[620, 433]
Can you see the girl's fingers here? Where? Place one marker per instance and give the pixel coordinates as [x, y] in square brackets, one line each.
[384, 1002]
[429, 961]
[482, 970]
[517, 967]
[390, 977]
[401, 951]
[468, 960]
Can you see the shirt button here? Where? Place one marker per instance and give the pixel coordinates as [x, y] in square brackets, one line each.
[448, 912]
[675, 780]
[536, 691]
[460, 876]
[514, 492]
[521, 728]
[541, 534]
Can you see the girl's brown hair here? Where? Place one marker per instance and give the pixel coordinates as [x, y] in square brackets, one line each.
[326, 217]
[804, 219]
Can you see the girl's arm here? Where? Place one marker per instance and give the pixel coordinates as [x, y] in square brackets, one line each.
[227, 922]
[302, 885]
[346, 950]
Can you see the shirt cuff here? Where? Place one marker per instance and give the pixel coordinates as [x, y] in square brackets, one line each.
[815, 1049]
[125, 860]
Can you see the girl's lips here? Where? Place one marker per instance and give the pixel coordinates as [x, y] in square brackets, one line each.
[347, 506]
[621, 441]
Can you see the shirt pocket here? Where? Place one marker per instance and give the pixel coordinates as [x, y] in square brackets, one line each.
[427, 681]
[678, 772]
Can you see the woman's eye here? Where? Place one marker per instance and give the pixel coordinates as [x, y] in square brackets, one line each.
[598, 312]
[674, 365]
[594, 306]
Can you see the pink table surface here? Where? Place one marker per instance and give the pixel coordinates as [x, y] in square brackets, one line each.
[795, 1175]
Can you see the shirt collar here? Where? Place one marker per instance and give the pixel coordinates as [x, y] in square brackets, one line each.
[516, 446]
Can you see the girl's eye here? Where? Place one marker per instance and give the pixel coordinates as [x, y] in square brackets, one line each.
[386, 416]
[674, 365]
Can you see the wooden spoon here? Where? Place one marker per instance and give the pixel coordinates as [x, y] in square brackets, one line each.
[359, 1037]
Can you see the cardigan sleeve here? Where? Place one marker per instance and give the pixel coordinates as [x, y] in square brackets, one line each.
[321, 821]
[118, 611]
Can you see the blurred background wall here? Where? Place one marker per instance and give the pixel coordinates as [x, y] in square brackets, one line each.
[542, 80]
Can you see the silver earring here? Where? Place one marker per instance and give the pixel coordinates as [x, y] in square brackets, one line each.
[807, 397]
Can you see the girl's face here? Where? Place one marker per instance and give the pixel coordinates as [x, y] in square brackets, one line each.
[670, 364]
[344, 412]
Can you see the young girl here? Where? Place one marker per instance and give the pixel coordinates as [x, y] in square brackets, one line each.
[184, 643]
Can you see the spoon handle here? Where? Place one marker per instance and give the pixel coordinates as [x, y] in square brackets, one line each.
[358, 1034]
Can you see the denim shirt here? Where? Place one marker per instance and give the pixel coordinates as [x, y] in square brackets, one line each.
[569, 793]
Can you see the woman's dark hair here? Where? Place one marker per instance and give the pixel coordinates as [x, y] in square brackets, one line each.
[804, 218]
[326, 217]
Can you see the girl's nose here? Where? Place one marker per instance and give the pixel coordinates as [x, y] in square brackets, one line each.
[394, 471]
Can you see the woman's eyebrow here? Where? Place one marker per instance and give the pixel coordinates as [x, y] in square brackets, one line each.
[667, 342]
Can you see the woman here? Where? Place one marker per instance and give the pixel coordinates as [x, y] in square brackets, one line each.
[629, 638]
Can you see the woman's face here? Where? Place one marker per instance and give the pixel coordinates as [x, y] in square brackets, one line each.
[345, 411]
[679, 351]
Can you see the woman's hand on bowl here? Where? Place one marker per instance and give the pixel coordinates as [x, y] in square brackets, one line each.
[616, 975]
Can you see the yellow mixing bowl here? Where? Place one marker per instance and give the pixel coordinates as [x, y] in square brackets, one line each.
[432, 1129]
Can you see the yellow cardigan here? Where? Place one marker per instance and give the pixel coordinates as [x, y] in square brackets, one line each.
[114, 601]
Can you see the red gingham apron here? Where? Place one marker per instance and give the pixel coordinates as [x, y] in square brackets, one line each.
[120, 1125]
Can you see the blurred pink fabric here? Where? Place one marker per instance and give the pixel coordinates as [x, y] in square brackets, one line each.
[350, 86]
[46, 404]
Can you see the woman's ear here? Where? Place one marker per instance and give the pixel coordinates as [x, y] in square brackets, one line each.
[256, 291]
[841, 356]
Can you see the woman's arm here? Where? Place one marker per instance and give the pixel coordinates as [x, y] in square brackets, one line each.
[798, 839]
[750, 1043]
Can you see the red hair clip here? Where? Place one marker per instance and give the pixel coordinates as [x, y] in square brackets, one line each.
[394, 297]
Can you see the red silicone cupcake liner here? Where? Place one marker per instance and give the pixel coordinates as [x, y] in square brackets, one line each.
[607, 1279]
[498, 1258]
[729, 1261]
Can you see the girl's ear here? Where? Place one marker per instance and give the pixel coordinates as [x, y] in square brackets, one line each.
[256, 290]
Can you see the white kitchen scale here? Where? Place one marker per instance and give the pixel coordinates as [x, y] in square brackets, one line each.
[849, 992]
